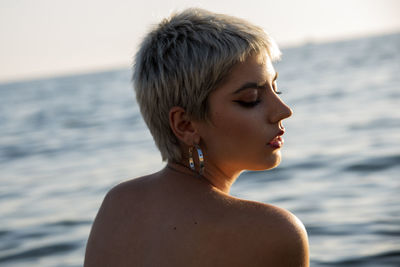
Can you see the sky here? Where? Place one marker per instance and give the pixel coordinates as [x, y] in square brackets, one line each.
[44, 38]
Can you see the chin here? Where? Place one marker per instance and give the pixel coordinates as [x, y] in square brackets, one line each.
[273, 161]
[267, 164]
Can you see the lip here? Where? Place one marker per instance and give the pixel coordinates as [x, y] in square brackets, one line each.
[277, 141]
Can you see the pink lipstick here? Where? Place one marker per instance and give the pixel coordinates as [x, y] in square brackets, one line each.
[278, 141]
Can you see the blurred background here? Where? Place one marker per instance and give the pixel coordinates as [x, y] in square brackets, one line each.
[70, 128]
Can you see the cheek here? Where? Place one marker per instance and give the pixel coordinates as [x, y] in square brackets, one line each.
[242, 127]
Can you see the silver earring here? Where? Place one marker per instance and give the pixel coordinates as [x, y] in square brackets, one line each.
[191, 162]
[201, 158]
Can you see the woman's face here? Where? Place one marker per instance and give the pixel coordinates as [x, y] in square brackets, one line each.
[246, 116]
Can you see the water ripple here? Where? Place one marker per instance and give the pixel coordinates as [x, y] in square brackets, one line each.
[375, 164]
[40, 251]
[390, 258]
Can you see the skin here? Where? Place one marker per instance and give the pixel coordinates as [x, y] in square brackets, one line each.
[177, 218]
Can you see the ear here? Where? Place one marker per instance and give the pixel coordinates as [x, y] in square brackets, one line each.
[182, 126]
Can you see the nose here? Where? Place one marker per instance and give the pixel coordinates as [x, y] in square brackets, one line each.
[279, 110]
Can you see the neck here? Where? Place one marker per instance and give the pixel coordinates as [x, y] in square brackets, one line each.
[221, 179]
[217, 178]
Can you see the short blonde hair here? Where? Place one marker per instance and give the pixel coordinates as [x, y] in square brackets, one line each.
[183, 59]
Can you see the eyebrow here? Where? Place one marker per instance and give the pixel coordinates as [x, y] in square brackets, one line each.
[254, 85]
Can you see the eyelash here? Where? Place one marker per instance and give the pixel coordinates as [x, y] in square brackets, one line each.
[248, 104]
[277, 92]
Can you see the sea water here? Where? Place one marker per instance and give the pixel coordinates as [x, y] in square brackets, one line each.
[64, 142]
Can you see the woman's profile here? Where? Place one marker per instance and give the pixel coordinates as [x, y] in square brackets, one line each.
[207, 90]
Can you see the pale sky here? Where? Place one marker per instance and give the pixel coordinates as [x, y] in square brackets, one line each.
[41, 38]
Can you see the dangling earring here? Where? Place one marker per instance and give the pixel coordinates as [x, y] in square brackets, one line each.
[201, 158]
[191, 162]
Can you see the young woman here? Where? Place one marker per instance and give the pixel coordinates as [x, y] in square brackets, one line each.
[207, 90]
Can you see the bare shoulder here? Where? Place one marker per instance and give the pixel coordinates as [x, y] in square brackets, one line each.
[281, 236]
[107, 240]
[249, 233]
[122, 199]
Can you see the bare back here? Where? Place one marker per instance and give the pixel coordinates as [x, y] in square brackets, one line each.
[164, 220]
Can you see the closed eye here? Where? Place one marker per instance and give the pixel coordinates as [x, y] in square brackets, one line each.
[248, 104]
